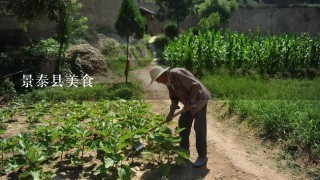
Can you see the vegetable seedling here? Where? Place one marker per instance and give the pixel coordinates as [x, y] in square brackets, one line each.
[140, 145]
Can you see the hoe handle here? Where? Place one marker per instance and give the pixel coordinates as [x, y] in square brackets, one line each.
[176, 114]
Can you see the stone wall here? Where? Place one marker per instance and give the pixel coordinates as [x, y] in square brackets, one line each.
[102, 15]
[277, 20]
[11, 33]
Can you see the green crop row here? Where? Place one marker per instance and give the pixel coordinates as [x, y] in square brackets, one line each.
[66, 132]
[289, 55]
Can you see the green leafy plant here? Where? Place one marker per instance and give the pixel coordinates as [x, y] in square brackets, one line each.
[171, 30]
[214, 13]
[102, 132]
[65, 13]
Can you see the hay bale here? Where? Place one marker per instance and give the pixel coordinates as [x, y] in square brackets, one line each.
[86, 58]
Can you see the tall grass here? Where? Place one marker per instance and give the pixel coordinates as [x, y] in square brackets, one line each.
[296, 123]
[227, 87]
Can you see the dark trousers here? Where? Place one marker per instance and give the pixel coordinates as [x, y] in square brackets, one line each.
[200, 127]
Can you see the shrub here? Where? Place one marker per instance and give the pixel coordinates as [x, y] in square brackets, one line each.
[210, 22]
[160, 43]
[47, 47]
[194, 30]
[94, 93]
[142, 55]
[171, 30]
[27, 58]
[217, 12]
[7, 90]
[110, 48]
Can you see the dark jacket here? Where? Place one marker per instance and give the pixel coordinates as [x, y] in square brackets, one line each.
[187, 89]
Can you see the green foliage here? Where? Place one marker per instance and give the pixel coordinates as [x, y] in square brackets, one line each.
[283, 55]
[171, 30]
[65, 13]
[175, 10]
[216, 12]
[314, 173]
[195, 31]
[3, 5]
[142, 55]
[294, 122]
[28, 57]
[116, 59]
[285, 160]
[284, 110]
[94, 93]
[68, 131]
[210, 22]
[164, 169]
[160, 44]
[129, 21]
[250, 88]
[146, 38]
[117, 64]
[46, 47]
[143, 62]
[111, 49]
[7, 87]
[114, 56]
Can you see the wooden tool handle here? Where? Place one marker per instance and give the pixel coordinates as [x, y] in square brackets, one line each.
[176, 114]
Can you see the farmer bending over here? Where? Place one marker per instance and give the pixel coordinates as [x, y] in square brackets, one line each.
[184, 87]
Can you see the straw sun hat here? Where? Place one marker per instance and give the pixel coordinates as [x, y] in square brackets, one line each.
[156, 71]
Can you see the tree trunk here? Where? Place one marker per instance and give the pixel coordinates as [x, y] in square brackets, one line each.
[127, 57]
[62, 39]
[57, 71]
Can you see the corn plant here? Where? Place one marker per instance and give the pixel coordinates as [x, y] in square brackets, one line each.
[265, 54]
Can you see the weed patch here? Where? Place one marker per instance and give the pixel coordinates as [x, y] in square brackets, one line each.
[94, 93]
[284, 110]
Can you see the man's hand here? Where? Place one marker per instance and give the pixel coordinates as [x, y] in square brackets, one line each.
[189, 107]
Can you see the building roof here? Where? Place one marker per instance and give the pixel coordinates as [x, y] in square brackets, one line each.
[145, 11]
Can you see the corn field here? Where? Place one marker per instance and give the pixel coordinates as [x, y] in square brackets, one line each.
[271, 55]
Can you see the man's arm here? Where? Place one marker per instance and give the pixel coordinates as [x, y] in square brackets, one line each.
[174, 103]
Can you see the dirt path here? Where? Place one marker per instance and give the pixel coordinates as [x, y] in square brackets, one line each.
[231, 154]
